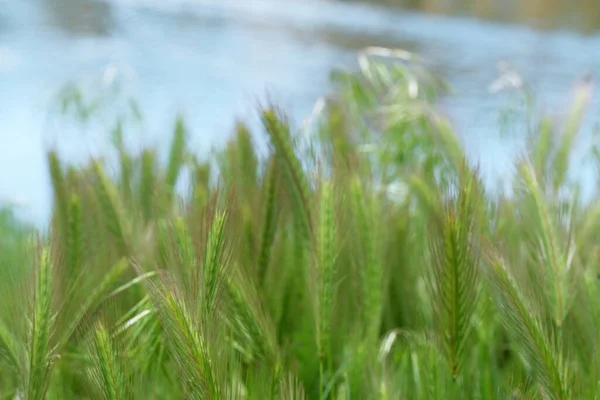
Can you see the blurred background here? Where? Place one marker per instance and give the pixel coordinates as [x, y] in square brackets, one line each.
[145, 61]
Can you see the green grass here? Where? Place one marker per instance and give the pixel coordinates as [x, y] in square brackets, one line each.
[298, 275]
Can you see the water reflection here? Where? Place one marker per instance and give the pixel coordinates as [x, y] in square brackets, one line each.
[211, 60]
[93, 17]
[355, 41]
[581, 15]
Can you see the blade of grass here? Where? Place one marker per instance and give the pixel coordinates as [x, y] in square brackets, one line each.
[40, 353]
[530, 333]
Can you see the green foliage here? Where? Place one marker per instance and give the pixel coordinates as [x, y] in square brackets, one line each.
[454, 281]
[106, 369]
[304, 274]
[40, 353]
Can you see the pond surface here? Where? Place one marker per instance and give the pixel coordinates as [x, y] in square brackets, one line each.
[213, 60]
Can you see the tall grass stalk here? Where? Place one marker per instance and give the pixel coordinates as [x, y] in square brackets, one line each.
[370, 264]
[41, 354]
[455, 283]
[108, 371]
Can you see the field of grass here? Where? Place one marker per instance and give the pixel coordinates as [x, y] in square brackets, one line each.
[329, 268]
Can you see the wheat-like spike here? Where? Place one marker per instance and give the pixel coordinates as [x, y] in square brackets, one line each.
[326, 264]
[40, 357]
[187, 347]
[567, 139]
[295, 246]
[455, 284]
[529, 332]
[326, 253]
[270, 214]
[247, 158]
[59, 186]
[542, 148]
[109, 375]
[176, 156]
[366, 211]
[213, 263]
[279, 133]
[551, 255]
[147, 184]
[75, 237]
[297, 185]
[112, 208]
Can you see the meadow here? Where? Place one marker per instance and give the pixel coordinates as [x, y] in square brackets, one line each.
[365, 259]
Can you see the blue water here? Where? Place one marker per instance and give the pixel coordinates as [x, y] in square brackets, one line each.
[213, 60]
